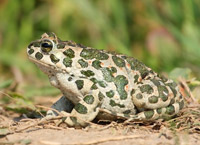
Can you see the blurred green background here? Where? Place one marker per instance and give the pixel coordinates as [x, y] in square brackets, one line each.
[164, 34]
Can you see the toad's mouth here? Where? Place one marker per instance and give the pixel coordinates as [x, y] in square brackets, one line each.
[47, 68]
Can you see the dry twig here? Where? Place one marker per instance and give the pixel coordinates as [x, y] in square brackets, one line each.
[116, 138]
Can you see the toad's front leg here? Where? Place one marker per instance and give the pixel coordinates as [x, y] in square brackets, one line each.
[63, 104]
[85, 110]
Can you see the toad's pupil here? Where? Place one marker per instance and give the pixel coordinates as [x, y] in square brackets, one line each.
[46, 47]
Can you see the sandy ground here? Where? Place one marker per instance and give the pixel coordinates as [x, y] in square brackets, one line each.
[28, 131]
[104, 137]
[114, 133]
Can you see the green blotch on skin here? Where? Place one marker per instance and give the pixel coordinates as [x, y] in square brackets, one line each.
[87, 73]
[155, 82]
[101, 56]
[67, 62]
[110, 93]
[60, 46]
[83, 63]
[139, 66]
[159, 110]
[139, 96]
[94, 80]
[113, 103]
[94, 87]
[54, 59]
[136, 77]
[143, 75]
[96, 64]
[132, 92]
[70, 79]
[102, 84]
[38, 55]
[79, 84]
[153, 99]
[146, 89]
[164, 79]
[163, 93]
[124, 57]
[89, 99]
[120, 82]
[36, 44]
[89, 53]
[107, 74]
[69, 53]
[51, 34]
[172, 87]
[164, 98]
[170, 110]
[149, 114]
[181, 104]
[81, 45]
[81, 108]
[74, 120]
[95, 109]
[71, 43]
[172, 101]
[63, 119]
[29, 46]
[113, 69]
[30, 51]
[118, 61]
[174, 91]
[127, 112]
[101, 96]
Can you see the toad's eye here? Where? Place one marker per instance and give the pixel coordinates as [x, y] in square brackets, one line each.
[46, 46]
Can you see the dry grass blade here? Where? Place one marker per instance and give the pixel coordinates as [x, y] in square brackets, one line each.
[189, 120]
[57, 120]
[186, 88]
[40, 122]
[48, 108]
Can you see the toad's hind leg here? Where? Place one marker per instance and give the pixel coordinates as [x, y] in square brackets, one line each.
[164, 113]
[155, 98]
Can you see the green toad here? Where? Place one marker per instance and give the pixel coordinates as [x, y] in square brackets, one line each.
[101, 84]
